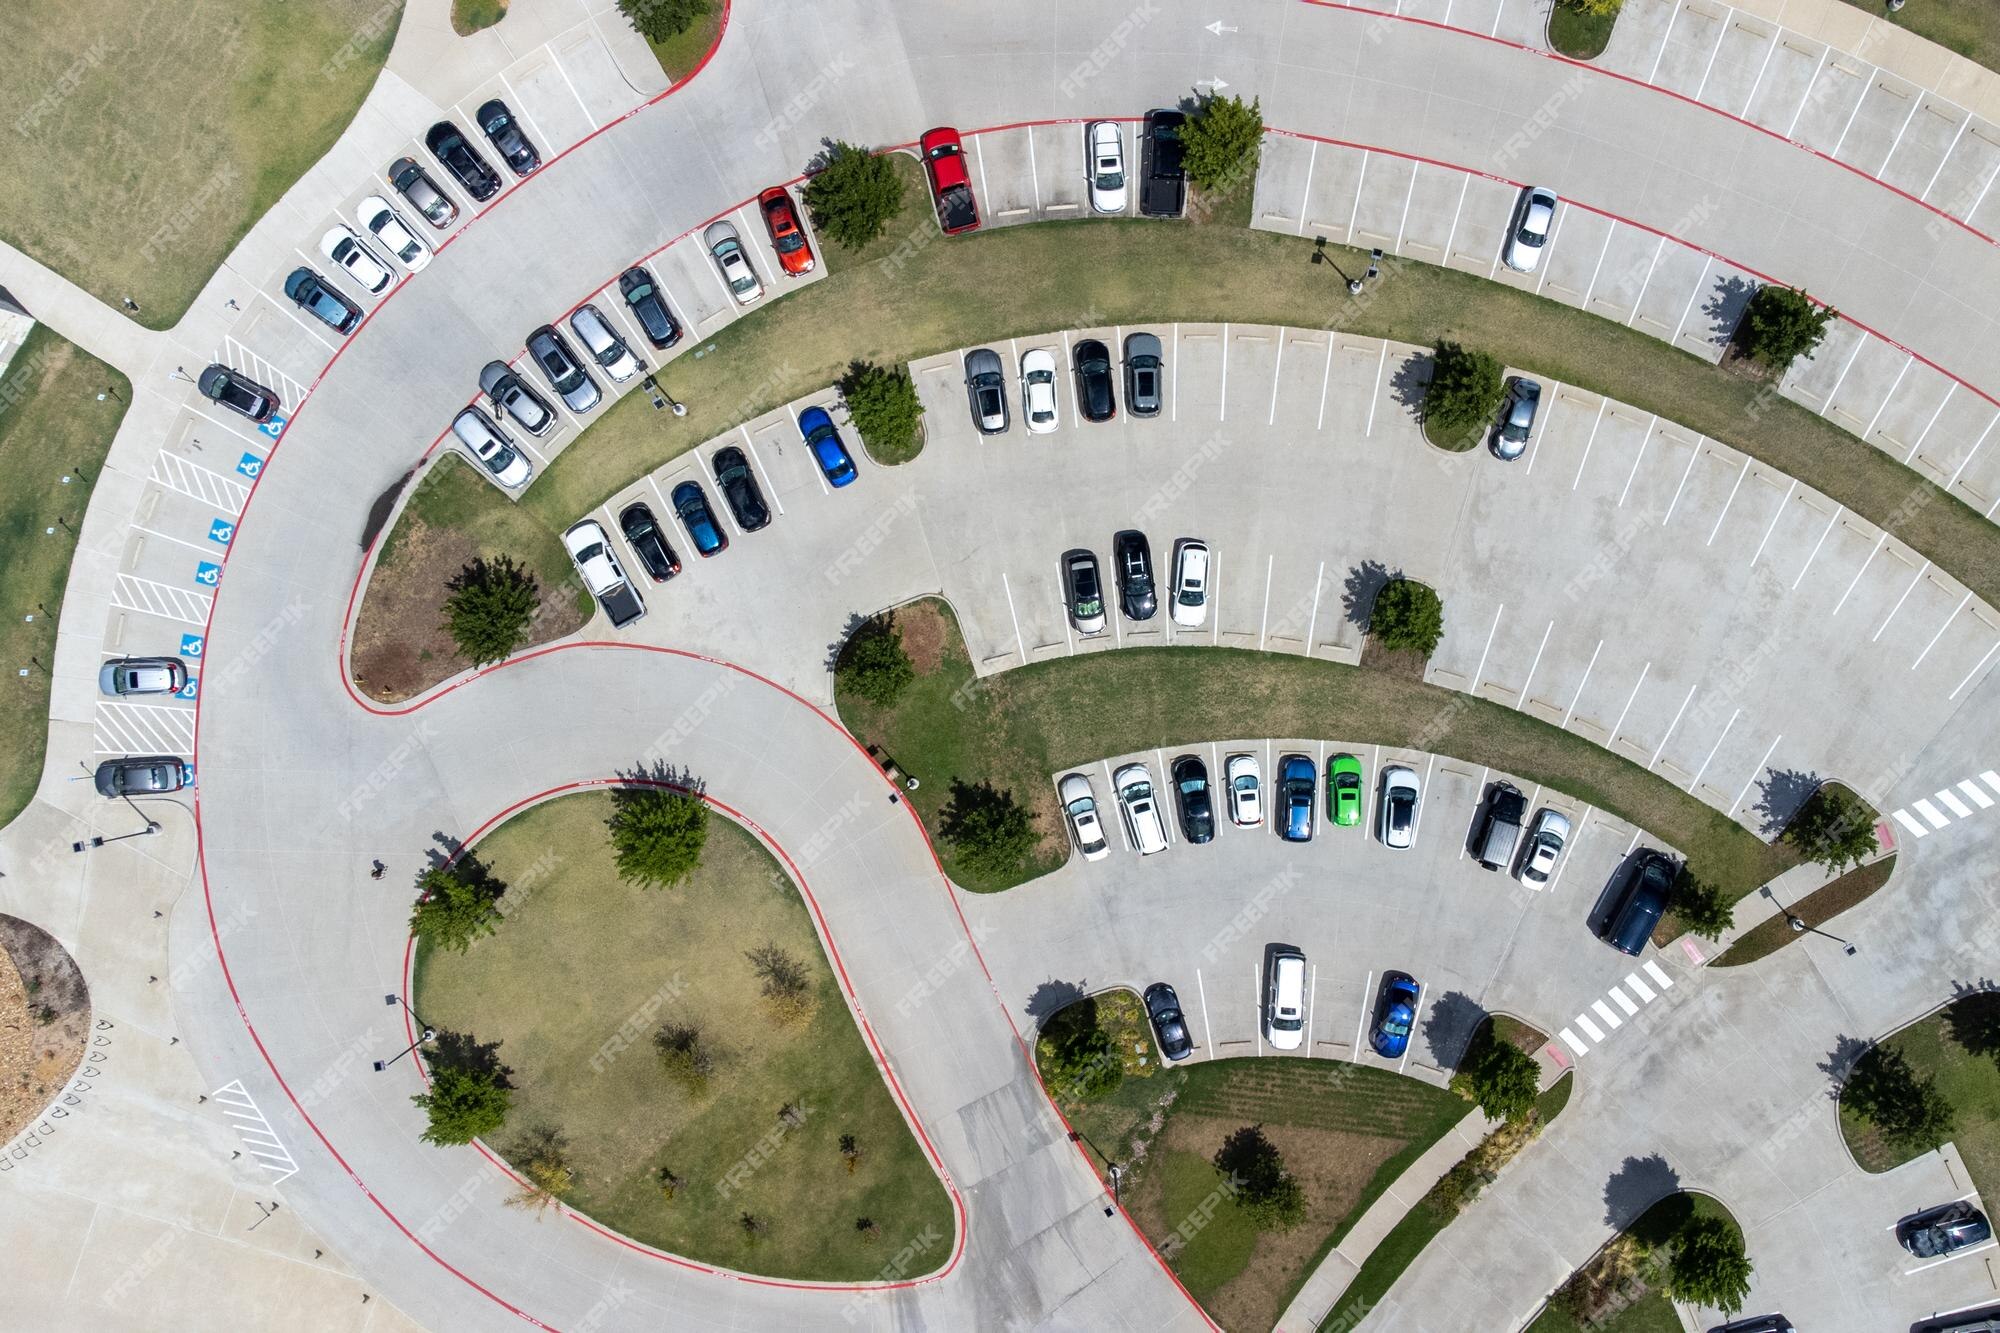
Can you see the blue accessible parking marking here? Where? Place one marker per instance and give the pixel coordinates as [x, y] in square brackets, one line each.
[273, 425]
[208, 573]
[191, 645]
[220, 530]
[187, 691]
[250, 465]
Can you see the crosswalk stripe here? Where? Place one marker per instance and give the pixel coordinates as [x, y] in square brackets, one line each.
[1991, 779]
[1603, 1011]
[1654, 971]
[1570, 1039]
[1916, 830]
[1930, 812]
[1624, 1002]
[1956, 806]
[1640, 988]
[1979, 798]
[1591, 1030]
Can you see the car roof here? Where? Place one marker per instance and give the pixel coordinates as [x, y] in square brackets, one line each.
[812, 418]
[1141, 344]
[980, 360]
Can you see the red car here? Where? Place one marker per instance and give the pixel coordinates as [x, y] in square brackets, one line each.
[944, 159]
[795, 252]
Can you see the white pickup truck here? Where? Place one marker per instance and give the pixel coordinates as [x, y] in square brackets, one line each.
[590, 550]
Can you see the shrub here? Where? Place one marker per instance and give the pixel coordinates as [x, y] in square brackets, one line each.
[658, 20]
[1782, 324]
[788, 985]
[687, 1057]
[545, 1169]
[491, 606]
[1077, 1056]
[463, 1104]
[1464, 394]
[1221, 142]
[1701, 906]
[987, 828]
[1709, 1266]
[1834, 827]
[657, 833]
[882, 403]
[1407, 615]
[1910, 1112]
[1595, 8]
[1264, 1189]
[874, 665]
[853, 196]
[460, 904]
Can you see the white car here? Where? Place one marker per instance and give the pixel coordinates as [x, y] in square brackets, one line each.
[484, 439]
[1246, 789]
[383, 223]
[1285, 999]
[590, 551]
[1105, 144]
[1546, 841]
[345, 249]
[726, 248]
[1190, 583]
[1400, 794]
[1141, 808]
[1080, 804]
[1038, 391]
[1533, 218]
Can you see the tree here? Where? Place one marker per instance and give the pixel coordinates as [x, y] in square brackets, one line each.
[1263, 1188]
[491, 605]
[1709, 1266]
[658, 20]
[1220, 143]
[1464, 393]
[545, 1170]
[463, 1104]
[1782, 324]
[1701, 905]
[854, 195]
[882, 402]
[1909, 1111]
[1076, 1054]
[1500, 1076]
[873, 664]
[1407, 615]
[787, 983]
[687, 1057]
[1834, 827]
[459, 904]
[657, 834]
[987, 828]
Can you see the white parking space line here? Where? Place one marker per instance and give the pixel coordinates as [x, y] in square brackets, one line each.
[1277, 377]
[1580, 684]
[1408, 195]
[1930, 813]
[1772, 527]
[1946, 158]
[1945, 1259]
[191, 479]
[1535, 665]
[1201, 990]
[1542, 426]
[1368, 792]
[1991, 779]
[147, 597]
[1360, 182]
[1859, 571]
[750, 447]
[1361, 1023]
[1639, 988]
[1700, 286]
[1603, 1011]
[1416, 825]
[556, 60]
[1312, 160]
[1979, 798]
[1758, 82]
[1222, 404]
[1563, 865]
[1062, 614]
[520, 109]
[1376, 397]
[1615, 726]
[1806, 98]
[1264, 626]
[257, 442]
[1319, 586]
[1755, 773]
[1660, 978]
[1721, 31]
[1625, 1001]
[1169, 817]
[1174, 379]
[1695, 781]
[819, 473]
[1974, 672]
[1416, 1016]
[1686, 472]
[1872, 72]
[1590, 1029]
[1555, 230]
[713, 480]
[1936, 412]
[1848, 365]
[1900, 600]
[1034, 170]
[1897, 384]
[1916, 830]
[1744, 472]
[1590, 288]
[1465, 182]
[210, 547]
[1257, 1001]
[1111, 785]
[1665, 41]
[1020, 645]
[1825, 532]
[1570, 1039]
[1673, 726]
[1584, 461]
[765, 272]
[1326, 377]
[1312, 1007]
[1484, 771]
[279, 306]
[1480, 670]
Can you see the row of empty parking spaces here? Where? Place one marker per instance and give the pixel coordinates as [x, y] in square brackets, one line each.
[1831, 101]
[1039, 173]
[561, 91]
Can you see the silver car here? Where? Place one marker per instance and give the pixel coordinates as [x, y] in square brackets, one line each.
[609, 350]
[565, 374]
[141, 775]
[1529, 231]
[142, 675]
[726, 249]
[1079, 803]
[484, 439]
[986, 390]
[510, 394]
[1546, 841]
[1510, 441]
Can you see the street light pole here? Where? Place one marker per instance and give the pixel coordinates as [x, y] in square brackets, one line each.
[425, 1033]
[1799, 927]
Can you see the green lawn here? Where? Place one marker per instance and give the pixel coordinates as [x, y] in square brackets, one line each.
[1815, 909]
[1579, 35]
[1938, 1047]
[1022, 725]
[52, 427]
[1636, 1307]
[679, 54]
[470, 16]
[148, 138]
[1969, 27]
[582, 957]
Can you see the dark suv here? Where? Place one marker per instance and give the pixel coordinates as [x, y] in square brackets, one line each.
[649, 307]
[501, 130]
[1095, 397]
[739, 489]
[1195, 799]
[1142, 374]
[462, 160]
[643, 535]
[1134, 561]
[1649, 884]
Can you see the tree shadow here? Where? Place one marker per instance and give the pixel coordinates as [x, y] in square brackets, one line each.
[463, 1051]
[1363, 585]
[656, 772]
[1062, 1006]
[1450, 1023]
[1840, 1062]
[1973, 1017]
[1635, 1187]
[1724, 307]
[1410, 382]
[855, 623]
[1784, 791]
[451, 854]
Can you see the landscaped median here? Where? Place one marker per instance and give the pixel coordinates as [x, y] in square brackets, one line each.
[1936, 1080]
[1685, 1247]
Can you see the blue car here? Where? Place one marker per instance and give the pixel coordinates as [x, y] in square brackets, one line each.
[1394, 1016]
[698, 518]
[1296, 780]
[311, 294]
[827, 450]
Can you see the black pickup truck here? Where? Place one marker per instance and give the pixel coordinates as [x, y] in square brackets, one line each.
[1163, 188]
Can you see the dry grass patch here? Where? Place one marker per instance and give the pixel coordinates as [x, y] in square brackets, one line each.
[44, 1021]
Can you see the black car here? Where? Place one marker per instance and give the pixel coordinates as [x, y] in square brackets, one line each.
[1767, 1323]
[1094, 395]
[1943, 1230]
[462, 160]
[649, 307]
[642, 533]
[1193, 796]
[1169, 1025]
[1649, 884]
[1134, 560]
[415, 184]
[497, 123]
[140, 775]
[237, 392]
[1163, 187]
[739, 489]
[1143, 375]
[312, 294]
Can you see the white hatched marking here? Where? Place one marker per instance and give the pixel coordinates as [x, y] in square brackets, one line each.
[211, 488]
[1930, 812]
[1591, 1030]
[1979, 798]
[239, 1105]
[1952, 803]
[1624, 1001]
[1639, 988]
[1570, 1039]
[1660, 978]
[129, 728]
[160, 599]
[1916, 830]
[1603, 1011]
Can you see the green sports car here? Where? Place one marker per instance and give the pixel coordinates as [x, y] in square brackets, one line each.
[1343, 790]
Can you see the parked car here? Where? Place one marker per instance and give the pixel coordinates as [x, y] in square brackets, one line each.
[590, 551]
[1190, 583]
[1777, 1323]
[606, 348]
[1400, 794]
[1529, 231]
[951, 188]
[1104, 145]
[691, 507]
[1343, 790]
[1079, 803]
[457, 155]
[823, 440]
[142, 675]
[986, 390]
[1196, 802]
[788, 238]
[1163, 193]
[1395, 1014]
[141, 775]
[1140, 809]
[726, 250]
[738, 484]
[1546, 841]
[1649, 883]
[1143, 374]
[415, 185]
[649, 306]
[487, 443]
[550, 352]
[1133, 558]
[1943, 1230]
[1296, 783]
[1246, 789]
[643, 535]
[1095, 400]
[1163, 1007]
[1499, 831]
[497, 123]
[237, 392]
[510, 394]
[1285, 999]
[314, 295]
[386, 225]
[1038, 391]
[1086, 592]
[347, 252]
[1510, 439]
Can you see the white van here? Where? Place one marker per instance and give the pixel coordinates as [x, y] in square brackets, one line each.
[1285, 1000]
[1141, 808]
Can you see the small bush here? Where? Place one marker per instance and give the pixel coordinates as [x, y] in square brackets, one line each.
[873, 663]
[1710, 1266]
[1407, 616]
[1078, 1059]
[459, 904]
[854, 195]
[657, 833]
[1500, 1076]
[658, 20]
[491, 606]
[545, 1169]
[1464, 394]
[1782, 324]
[882, 402]
[787, 983]
[1594, 8]
[463, 1104]
[687, 1057]
[1221, 143]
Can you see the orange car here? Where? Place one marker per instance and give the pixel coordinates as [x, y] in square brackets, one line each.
[787, 237]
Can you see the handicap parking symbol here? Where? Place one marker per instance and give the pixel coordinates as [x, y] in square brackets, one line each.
[220, 531]
[191, 645]
[208, 573]
[250, 465]
[187, 691]
[273, 425]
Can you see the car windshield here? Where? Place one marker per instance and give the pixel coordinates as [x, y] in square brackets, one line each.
[1190, 593]
[1137, 792]
[1284, 1024]
[1347, 782]
[1246, 784]
[1110, 180]
[1528, 235]
[639, 293]
[789, 241]
[590, 552]
[1194, 786]
[1551, 845]
[1081, 807]
[1394, 1026]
